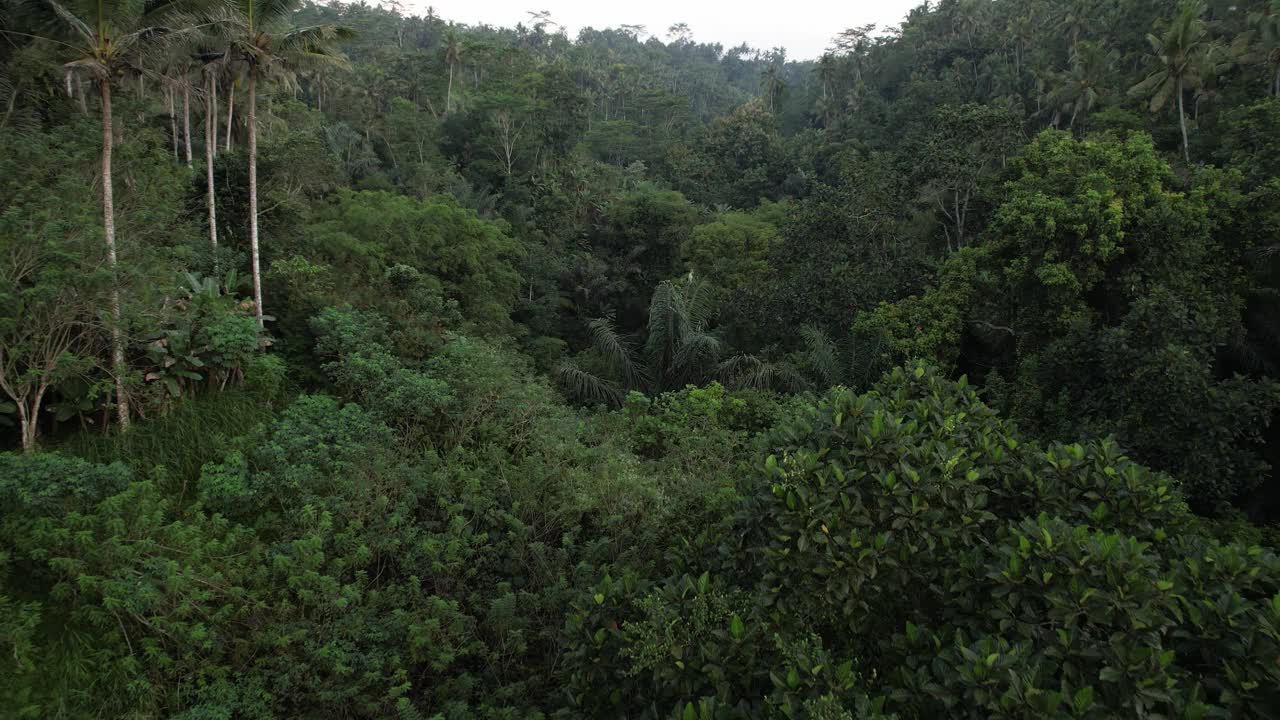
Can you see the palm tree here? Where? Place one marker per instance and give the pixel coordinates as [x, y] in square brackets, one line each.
[771, 84]
[107, 39]
[452, 56]
[1076, 19]
[1212, 64]
[175, 75]
[679, 344]
[1020, 32]
[263, 45]
[826, 71]
[1082, 87]
[1176, 52]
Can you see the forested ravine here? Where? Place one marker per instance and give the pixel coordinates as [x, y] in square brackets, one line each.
[359, 363]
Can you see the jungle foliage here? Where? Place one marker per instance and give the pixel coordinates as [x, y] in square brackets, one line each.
[360, 363]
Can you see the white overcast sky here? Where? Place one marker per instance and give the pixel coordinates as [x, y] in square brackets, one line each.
[803, 27]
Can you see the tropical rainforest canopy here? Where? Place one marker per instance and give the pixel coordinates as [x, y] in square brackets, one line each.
[361, 364]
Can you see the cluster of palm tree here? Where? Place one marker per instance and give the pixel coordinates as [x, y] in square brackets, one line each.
[1066, 59]
[227, 40]
[1184, 58]
[772, 86]
[681, 347]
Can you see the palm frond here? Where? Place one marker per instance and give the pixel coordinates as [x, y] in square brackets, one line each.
[783, 377]
[53, 16]
[306, 61]
[748, 372]
[1148, 85]
[697, 298]
[315, 38]
[1163, 94]
[868, 357]
[266, 12]
[585, 387]
[696, 350]
[666, 324]
[618, 351]
[821, 354]
[20, 116]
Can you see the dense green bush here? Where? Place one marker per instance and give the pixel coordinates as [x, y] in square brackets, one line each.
[1099, 303]
[901, 552]
[470, 261]
[906, 545]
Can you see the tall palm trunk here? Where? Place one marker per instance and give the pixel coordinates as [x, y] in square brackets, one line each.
[213, 110]
[210, 147]
[173, 124]
[448, 97]
[109, 230]
[231, 102]
[1182, 122]
[253, 192]
[186, 119]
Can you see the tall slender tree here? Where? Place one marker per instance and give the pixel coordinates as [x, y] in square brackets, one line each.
[264, 46]
[771, 85]
[231, 110]
[452, 56]
[1176, 51]
[107, 40]
[186, 113]
[826, 71]
[210, 59]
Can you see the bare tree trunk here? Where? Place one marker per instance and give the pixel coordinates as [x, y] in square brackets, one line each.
[231, 102]
[448, 98]
[253, 193]
[213, 109]
[173, 124]
[1275, 82]
[28, 430]
[1182, 122]
[109, 229]
[186, 119]
[13, 99]
[210, 147]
